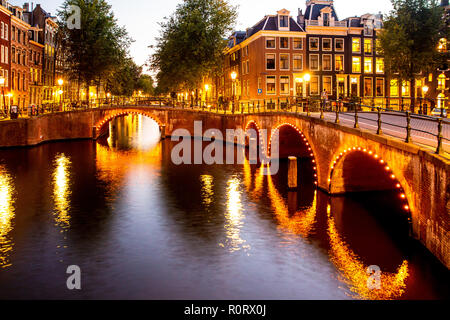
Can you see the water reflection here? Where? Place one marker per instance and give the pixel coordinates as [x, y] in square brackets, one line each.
[353, 271]
[6, 216]
[301, 222]
[61, 191]
[207, 189]
[234, 217]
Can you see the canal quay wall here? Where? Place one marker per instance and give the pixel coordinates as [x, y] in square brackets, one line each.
[346, 159]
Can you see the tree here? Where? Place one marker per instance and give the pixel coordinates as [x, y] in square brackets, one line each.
[145, 84]
[191, 43]
[93, 51]
[124, 79]
[409, 40]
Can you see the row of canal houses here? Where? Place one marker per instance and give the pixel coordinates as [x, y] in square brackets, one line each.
[29, 62]
[283, 56]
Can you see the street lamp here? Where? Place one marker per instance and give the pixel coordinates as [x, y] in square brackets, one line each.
[233, 77]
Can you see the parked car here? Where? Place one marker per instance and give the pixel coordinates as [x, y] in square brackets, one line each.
[437, 112]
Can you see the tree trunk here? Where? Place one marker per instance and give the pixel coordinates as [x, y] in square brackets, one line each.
[413, 94]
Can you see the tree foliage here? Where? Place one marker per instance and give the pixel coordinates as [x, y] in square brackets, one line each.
[191, 43]
[410, 38]
[92, 52]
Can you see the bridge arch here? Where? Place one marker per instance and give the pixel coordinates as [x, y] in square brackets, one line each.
[99, 126]
[289, 135]
[359, 169]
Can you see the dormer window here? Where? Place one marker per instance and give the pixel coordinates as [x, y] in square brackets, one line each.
[284, 21]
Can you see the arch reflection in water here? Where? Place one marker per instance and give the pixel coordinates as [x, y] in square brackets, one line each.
[61, 191]
[7, 199]
[234, 217]
[302, 222]
[354, 273]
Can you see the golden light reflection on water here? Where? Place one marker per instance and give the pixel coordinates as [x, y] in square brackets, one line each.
[7, 200]
[302, 222]
[353, 272]
[234, 217]
[207, 189]
[61, 191]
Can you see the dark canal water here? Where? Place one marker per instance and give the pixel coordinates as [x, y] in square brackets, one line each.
[140, 227]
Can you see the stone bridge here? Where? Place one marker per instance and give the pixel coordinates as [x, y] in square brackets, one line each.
[345, 159]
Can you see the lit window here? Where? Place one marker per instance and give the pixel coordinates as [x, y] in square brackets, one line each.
[356, 65]
[326, 45]
[339, 45]
[270, 43]
[394, 88]
[326, 62]
[441, 82]
[284, 61]
[314, 85]
[327, 84]
[368, 48]
[284, 84]
[298, 62]
[270, 85]
[314, 62]
[380, 65]
[406, 89]
[442, 46]
[270, 62]
[368, 87]
[356, 45]
[298, 43]
[339, 63]
[314, 44]
[368, 62]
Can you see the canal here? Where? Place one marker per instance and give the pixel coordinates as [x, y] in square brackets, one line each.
[140, 227]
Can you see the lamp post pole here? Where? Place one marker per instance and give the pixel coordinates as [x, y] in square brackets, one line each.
[233, 88]
[2, 83]
[61, 83]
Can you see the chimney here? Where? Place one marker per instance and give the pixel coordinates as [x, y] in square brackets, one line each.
[26, 7]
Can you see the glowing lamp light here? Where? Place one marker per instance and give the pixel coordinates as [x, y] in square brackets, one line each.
[60, 82]
[2, 81]
[307, 77]
[206, 87]
[233, 75]
[425, 89]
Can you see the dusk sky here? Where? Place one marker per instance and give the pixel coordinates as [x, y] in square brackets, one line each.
[141, 17]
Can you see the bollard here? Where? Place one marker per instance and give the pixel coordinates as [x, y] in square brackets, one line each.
[379, 131]
[356, 126]
[337, 114]
[292, 173]
[440, 149]
[408, 127]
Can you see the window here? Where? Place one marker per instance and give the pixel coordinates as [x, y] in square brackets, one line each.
[339, 44]
[368, 47]
[314, 62]
[270, 43]
[356, 45]
[326, 62]
[314, 44]
[6, 32]
[394, 88]
[298, 43]
[368, 62]
[298, 62]
[326, 45]
[441, 82]
[270, 62]
[368, 87]
[327, 84]
[271, 85]
[314, 85]
[3, 30]
[380, 65]
[284, 84]
[284, 22]
[406, 89]
[339, 62]
[284, 61]
[380, 87]
[356, 65]
[284, 43]
[442, 47]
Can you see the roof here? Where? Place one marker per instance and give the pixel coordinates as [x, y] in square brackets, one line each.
[270, 23]
[313, 11]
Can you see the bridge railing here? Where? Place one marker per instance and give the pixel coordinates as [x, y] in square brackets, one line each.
[384, 120]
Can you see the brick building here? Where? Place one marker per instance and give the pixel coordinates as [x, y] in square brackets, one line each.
[36, 67]
[5, 47]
